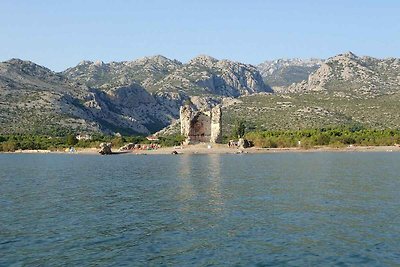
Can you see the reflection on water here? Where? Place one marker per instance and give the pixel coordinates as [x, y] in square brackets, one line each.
[219, 210]
[216, 201]
[185, 185]
[198, 175]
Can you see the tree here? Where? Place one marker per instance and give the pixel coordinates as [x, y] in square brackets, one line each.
[71, 140]
[239, 129]
[117, 141]
[187, 102]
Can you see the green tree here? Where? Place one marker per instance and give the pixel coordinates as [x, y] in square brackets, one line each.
[239, 129]
[117, 141]
[71, 140]
[187, 102]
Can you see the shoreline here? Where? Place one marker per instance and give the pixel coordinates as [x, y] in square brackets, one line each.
[217, 149]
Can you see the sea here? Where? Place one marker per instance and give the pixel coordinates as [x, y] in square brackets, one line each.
[276, 209]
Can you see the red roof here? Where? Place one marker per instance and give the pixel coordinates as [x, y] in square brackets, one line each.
[152, 138]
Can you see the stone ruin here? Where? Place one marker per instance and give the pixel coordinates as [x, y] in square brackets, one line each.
[202, 126]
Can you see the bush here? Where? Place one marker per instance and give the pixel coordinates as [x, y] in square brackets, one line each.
[172, 140]
[239, 129]
[117, 141]
[9, 146]
[306, 143]
[336, 137]
[322, 139]
[71, 140]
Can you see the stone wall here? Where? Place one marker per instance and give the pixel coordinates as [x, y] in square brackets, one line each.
[201, 126]
[216, 125]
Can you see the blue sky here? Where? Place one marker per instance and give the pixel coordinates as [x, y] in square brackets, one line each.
[59, 34]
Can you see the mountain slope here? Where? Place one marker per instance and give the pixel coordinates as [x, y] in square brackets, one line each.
[144, 95]
[349, 75]
[33, 97]
[201, 75]
[145, 71]
[345, 89]
[140, 96]
[313, 110]
[284, 72]
[207, 75]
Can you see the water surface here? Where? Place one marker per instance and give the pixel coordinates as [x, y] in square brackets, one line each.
[285, 209]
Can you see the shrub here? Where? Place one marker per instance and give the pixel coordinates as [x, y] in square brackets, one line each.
[9, 146]
[71, 140]
[172, 140]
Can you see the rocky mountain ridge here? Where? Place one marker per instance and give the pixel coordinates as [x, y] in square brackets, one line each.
[284, 72]
[201, 75]
[347, 74]
[144, 95]
[139, 96]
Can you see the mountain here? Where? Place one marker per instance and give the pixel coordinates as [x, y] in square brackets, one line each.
[349, 75]
[284, 72]
[131, 97]
[145, 72]
[32, 96]
[157, 74]
[345, 89]
[144, 95]
[35, 99]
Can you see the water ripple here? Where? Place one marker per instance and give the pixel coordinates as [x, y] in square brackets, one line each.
[219, 210]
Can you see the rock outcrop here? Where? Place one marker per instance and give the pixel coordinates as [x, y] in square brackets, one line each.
[105, 149]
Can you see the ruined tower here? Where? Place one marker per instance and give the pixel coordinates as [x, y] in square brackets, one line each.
[202, 126]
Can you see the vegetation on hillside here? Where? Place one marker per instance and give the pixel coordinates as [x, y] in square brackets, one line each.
[312, 111]
[333, 137]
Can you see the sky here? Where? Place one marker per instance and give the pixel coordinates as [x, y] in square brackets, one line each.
[59, 34]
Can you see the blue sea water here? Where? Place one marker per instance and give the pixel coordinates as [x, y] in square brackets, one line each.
[282, 209]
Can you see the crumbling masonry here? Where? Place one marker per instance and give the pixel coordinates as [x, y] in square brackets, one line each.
[201, 126]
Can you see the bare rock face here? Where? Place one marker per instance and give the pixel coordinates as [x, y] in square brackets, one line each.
[201, 126]
[105, 149]
[282, 73]
[225, 77]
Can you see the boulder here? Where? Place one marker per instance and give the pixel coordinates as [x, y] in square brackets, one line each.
[105, 149]
[129, 146]
[243, 143]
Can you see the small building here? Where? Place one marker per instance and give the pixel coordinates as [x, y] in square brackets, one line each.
[152, 138]
[83, 137]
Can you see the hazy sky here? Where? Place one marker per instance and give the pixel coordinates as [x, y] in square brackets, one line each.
[59, 34]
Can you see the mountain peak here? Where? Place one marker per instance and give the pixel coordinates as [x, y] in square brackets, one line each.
[98, 63]
[85, 62]
[153, 58]
[17, 61]
[26, 66]
[203, 60]
[348, 55]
